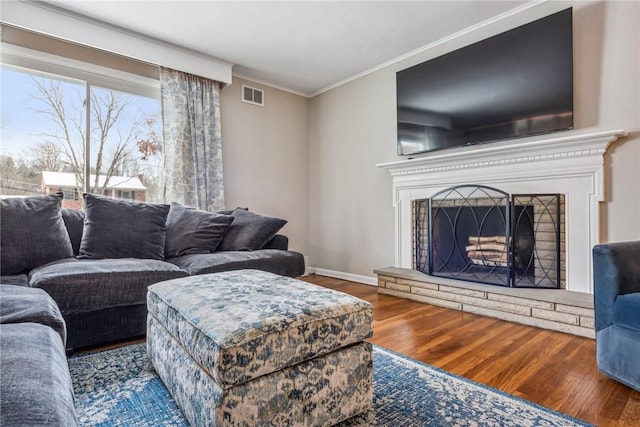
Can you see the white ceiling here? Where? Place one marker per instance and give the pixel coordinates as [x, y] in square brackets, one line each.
[302, 46]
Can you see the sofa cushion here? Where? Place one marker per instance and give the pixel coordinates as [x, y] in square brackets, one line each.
[107, 325]
[626, 310]
[20, 304]
[193, 231]
[15, 279]
[36, 388]
[79, 285]
[32, 233]
[122, 229]
[249, 231]
[74, 223]
[279, 241]
[284, 263]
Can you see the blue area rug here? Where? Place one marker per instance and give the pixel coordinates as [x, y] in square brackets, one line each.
[120, 388]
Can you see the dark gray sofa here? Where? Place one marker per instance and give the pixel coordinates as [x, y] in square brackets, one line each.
[104, 300]
[36, 388]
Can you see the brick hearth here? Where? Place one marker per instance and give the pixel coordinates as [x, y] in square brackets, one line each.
[554, 309]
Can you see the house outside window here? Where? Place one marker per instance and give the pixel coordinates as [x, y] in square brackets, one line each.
[77, 127]
[70, 193]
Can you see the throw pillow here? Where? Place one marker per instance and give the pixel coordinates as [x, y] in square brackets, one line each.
[249, 231]
[74, 222]
[193, 231]
[230, 211]
[32, 233]
[122, 229]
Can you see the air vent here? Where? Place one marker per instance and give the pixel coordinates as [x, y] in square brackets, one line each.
[252, 95]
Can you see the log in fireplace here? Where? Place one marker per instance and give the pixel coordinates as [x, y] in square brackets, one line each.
[482, 234]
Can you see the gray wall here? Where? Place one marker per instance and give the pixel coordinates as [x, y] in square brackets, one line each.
[265, 155]
[352, 128]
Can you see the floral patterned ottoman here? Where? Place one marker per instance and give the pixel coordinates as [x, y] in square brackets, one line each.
[252, 348]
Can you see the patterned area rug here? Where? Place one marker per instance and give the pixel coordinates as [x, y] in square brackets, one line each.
[120, 388]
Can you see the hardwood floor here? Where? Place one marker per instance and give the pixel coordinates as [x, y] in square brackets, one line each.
[553, 369]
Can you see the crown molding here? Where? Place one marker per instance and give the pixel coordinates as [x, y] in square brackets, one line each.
[446, 39]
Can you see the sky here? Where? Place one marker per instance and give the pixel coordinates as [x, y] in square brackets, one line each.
[20, 129]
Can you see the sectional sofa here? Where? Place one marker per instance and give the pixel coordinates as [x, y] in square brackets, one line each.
[97, 264]
[36, 387]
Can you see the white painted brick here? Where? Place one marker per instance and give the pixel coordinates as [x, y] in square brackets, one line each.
[587, 322]
[521, 301]
[581, 311]
[419, 298]
[398, 287]
[415, 283]
[461, 291]
[386, 278]
[555, 316]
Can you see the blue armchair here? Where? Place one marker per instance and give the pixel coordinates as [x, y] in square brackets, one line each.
[616, 268]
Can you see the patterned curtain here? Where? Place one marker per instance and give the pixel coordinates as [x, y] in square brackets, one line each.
[192, 142]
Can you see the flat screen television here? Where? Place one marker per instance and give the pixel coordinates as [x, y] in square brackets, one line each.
[512, 85]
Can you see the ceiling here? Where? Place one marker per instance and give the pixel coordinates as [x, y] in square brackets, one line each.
[305, 47]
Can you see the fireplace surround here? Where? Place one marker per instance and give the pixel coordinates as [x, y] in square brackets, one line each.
[572, 166]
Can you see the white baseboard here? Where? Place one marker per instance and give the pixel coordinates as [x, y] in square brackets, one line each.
[307, 268]
[367, 280]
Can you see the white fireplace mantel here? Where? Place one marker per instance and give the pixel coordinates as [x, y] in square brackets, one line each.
[571, 165]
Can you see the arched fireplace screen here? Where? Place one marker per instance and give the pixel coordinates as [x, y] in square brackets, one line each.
[482, 234]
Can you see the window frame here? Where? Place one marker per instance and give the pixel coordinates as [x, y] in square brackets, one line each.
[58, 67]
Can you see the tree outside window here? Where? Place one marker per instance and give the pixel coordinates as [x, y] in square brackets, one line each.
[45, 139]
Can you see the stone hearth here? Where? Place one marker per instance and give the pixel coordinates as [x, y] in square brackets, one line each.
[557, 310]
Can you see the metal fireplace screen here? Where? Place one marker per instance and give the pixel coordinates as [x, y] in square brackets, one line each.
[482, 234]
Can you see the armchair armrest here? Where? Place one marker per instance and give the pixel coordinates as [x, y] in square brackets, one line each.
[616, 271]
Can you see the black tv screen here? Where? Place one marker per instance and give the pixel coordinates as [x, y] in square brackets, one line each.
[515, 84]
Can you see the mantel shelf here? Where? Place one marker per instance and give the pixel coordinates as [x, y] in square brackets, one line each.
[508, 152]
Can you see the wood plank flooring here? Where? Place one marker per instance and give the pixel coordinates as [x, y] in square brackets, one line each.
[553, 369]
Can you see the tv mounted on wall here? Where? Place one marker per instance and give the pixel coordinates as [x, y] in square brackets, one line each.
[512, 85]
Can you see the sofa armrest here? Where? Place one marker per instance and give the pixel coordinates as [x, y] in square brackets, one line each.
[279, 241]
[616, 271]
[22, 304]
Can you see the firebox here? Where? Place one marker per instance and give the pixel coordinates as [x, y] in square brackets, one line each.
[482, 234]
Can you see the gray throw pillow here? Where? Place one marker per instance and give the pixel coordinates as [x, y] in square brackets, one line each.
[122, 229]
[74, 222]
[32, 233]
[249, 231]
[193, 231]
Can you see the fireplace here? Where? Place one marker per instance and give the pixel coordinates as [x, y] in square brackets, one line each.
[525, 172]
[482, 234]
[571, 166]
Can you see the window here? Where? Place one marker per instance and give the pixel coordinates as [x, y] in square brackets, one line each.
[70, 193]
[127, 195]
[77, 127]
